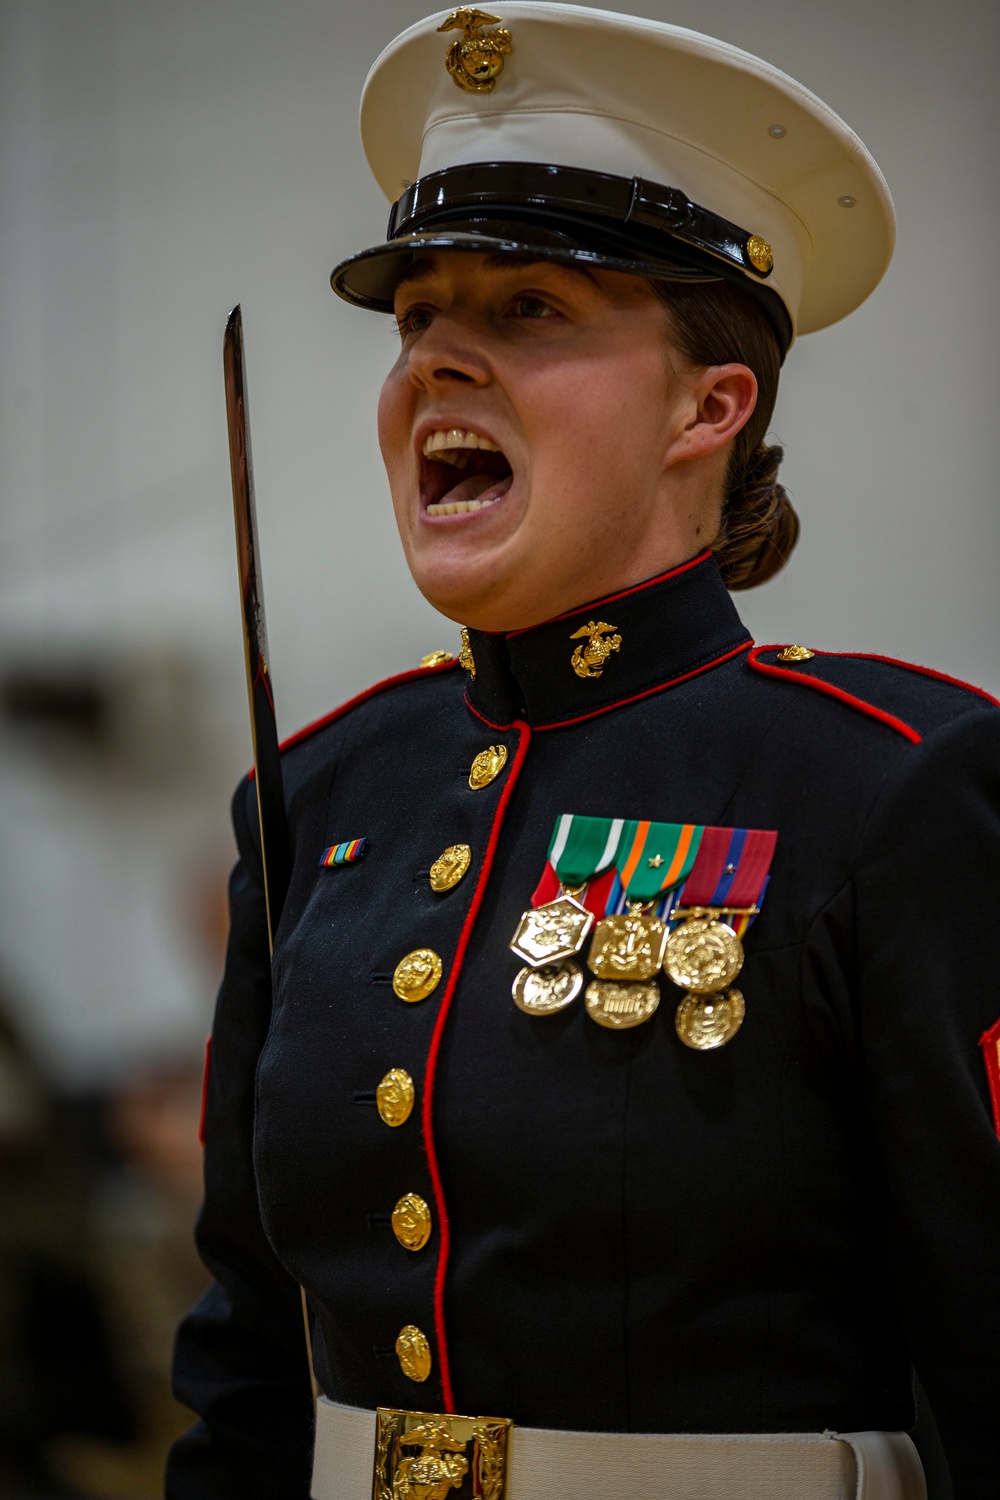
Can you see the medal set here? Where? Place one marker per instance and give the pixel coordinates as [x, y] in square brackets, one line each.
[650, 896]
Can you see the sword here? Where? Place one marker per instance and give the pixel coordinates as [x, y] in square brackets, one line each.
[275, 843]
[274, 839]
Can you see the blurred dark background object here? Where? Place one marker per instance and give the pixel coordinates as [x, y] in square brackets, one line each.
[97, 1200]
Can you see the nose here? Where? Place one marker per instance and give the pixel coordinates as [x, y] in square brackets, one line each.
[448, 353]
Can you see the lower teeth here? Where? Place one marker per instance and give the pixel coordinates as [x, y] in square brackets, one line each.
[459, 507]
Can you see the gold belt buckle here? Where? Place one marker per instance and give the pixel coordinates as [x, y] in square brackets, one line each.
[428, 1455]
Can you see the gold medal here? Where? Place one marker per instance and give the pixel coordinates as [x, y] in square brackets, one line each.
[627, 947]
[547, 934]
[703, 955]
[618, 1006]
[542, 992]
[706, 1021]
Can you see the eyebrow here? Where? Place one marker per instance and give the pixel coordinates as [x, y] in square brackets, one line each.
[498, 260]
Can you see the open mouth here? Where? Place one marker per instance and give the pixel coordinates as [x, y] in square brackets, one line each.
[461, 471]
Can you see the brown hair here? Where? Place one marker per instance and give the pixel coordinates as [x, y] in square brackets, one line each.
[716, 323]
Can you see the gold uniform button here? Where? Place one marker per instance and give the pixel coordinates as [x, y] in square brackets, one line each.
[394, 1097]
[417, 975]
[487, 766]
[436, 658]
[449, 867]
[795, 653]
[411, 1221]
[413, 1352]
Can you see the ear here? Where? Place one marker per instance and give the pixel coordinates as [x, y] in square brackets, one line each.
[720, 402]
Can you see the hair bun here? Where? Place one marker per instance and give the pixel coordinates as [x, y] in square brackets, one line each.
[759, 525]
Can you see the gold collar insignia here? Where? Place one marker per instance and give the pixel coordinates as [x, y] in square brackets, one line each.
[591, 659]
[465, 656]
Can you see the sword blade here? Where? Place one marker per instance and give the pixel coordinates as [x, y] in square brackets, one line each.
[274, 838]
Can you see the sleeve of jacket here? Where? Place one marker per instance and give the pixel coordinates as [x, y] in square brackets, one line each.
[928, 949]
[240, 1360]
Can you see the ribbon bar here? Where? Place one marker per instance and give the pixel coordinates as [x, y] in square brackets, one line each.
[731, 867]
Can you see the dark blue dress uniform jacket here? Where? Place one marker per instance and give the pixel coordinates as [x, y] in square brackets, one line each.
[627, 1235]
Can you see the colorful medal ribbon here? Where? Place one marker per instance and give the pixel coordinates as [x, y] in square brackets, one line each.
[702, 954]
[555, 928]
[730, 872]
[583, 847]
[652, 860]
[627, 946]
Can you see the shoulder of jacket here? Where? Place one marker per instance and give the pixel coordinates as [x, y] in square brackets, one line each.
[438, 667]
[906, 698]
[305, 752]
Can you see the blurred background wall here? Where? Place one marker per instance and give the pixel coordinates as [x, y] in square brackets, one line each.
[162, 159]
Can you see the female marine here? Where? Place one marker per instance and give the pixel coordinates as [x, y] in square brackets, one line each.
[624, 1113]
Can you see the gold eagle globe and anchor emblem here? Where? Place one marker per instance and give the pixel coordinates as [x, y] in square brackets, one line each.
[465, 656]
[475, 60]
[601, 640]
[467, 1454]
[440, 1466]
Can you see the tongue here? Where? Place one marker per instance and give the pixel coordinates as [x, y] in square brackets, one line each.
[475, 486]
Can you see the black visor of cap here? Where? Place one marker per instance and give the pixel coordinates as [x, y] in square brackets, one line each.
[557, 213]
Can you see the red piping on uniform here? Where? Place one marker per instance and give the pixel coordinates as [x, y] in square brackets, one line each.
[990, 1043]
[620, 702]
[345, 708]
[637, 588]
[444, 1232]
[783, 674]
[911, 666]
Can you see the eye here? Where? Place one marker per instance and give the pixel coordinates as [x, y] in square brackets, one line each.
[413, 320]
[531, 305]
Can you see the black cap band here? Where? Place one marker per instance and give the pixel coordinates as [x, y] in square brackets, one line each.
[638, 212]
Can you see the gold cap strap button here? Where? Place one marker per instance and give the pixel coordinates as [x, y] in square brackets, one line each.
[394, 1097]
[413, 1352]
[759, 253]
[411, 1221]
[450, 867]
[487, 766]
[417, 975]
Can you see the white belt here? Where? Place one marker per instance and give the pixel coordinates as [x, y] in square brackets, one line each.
[547, 1464]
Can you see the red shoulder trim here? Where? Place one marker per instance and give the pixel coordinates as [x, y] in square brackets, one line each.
[990, 1043]
[301, 735]
[786, 674]
[911, 666]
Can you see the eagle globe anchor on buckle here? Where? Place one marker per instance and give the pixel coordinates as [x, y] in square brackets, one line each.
[422, 1455]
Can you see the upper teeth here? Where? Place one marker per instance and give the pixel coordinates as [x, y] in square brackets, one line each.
[443, 438]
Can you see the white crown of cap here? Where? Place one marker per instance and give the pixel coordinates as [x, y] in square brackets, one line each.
[638, 98]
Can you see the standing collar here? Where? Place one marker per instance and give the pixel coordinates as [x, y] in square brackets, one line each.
[609, 652]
